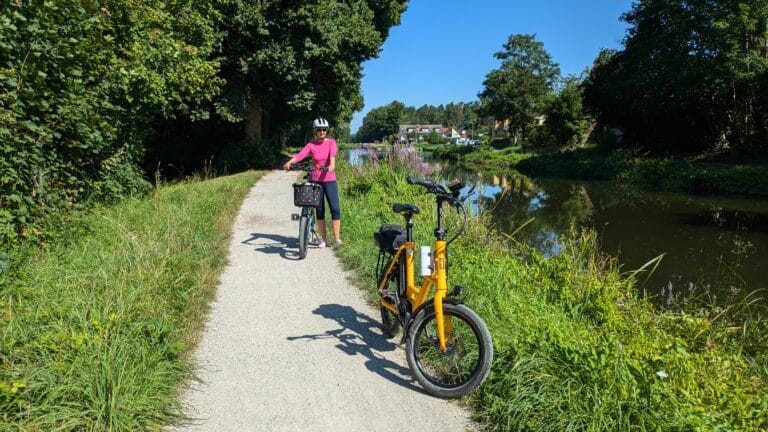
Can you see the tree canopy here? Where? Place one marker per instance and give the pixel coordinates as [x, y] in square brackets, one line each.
[693, 75]
[382, 122]
[287, 62]
[79, 82]
[87, 88]
[517, 90]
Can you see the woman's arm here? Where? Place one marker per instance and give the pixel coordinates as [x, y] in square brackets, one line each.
[287, 165]
[298, 157]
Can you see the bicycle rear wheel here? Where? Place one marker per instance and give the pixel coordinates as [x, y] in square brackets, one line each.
[304, 229]
[467, 361]
[390, 322]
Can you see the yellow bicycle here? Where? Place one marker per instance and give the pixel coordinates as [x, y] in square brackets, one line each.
[447, 344]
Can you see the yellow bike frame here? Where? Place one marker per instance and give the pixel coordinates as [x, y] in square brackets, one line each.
[418, 295]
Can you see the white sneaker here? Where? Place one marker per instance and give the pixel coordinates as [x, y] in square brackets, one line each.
[322, 244]
[338, 242]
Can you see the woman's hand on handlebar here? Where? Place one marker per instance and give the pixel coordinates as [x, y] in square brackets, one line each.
[303, 166]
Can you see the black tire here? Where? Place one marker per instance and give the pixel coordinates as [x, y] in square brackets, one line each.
[390, 322]
[464, 366]
[303, 236]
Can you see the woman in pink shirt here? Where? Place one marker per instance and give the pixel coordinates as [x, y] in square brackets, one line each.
[323, 151]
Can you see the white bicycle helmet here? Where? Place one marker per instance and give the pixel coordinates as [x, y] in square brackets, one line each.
[320, 123]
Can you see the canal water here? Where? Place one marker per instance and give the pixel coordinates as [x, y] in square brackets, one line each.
[714, 248]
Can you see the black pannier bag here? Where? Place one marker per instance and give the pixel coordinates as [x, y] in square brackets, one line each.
[389, 237]
[307, 195]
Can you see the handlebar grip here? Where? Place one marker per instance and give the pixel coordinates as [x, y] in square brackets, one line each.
[426, 183]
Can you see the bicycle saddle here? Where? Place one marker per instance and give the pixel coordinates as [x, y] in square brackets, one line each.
[405, 208]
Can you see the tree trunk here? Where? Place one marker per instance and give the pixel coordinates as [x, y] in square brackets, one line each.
[253, 120]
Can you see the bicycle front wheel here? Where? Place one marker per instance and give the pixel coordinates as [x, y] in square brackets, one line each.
[465, 364]
[303, 236]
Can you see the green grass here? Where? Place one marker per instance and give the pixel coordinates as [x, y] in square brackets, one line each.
[575, 349]
[482, 156]
[97, 327]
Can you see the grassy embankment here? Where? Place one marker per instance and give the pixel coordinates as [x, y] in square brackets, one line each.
[97, 326]
[698, 175]
[575, 349]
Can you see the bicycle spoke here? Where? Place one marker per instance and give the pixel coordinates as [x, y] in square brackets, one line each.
[464, 364]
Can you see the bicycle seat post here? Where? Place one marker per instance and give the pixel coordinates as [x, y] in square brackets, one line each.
[409, 226]
[440, 229]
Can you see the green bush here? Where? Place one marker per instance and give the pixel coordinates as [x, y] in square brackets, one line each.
[80, 84]
[248, 154]
[119, 177]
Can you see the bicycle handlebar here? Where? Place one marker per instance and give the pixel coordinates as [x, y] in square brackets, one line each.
[451, 194]
[306, 166]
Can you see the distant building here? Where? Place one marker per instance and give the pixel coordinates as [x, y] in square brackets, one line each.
[450, 133]
[412, 133]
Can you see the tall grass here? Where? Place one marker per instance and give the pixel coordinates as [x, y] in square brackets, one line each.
[97, 327]
[576, 349]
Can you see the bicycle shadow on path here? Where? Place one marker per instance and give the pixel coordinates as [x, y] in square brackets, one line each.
[286, 247]
[356, 336]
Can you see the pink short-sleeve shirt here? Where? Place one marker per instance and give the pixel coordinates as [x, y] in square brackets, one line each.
[321, 152]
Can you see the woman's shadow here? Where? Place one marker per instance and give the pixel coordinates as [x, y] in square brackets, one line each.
[356, 336]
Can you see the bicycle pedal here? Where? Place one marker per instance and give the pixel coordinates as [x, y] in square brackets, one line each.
[295, 216]
[387, 293]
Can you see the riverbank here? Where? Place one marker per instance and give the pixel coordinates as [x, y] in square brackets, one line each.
[576, 349]
[693, 175]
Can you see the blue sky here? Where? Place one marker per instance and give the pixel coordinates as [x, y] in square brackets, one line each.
[443, 49]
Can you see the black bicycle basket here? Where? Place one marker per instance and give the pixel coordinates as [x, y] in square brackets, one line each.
[307, 194]
[389, 237]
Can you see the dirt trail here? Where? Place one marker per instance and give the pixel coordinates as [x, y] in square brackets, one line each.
[290, 345]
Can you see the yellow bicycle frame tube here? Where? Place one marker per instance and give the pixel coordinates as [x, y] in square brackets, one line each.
[417, 296]
[440, 273]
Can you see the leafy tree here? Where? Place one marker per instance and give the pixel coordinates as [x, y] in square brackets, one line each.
[517, 90]
[691, 76]
[471, 116]
[454, 115]
[381, 122]
[288, 61]
[565, 120]
[428, 114]
[80, 83]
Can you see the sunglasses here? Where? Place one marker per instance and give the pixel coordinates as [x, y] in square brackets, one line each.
[321, 130]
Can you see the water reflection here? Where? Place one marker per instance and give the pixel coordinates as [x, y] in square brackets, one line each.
[714, 247]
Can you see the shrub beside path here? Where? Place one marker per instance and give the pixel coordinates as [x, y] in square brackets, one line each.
[290, 345]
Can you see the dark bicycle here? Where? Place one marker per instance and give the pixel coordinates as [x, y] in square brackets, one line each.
[308, 196]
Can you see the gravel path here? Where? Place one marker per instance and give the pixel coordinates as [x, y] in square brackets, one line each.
[290, 345]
